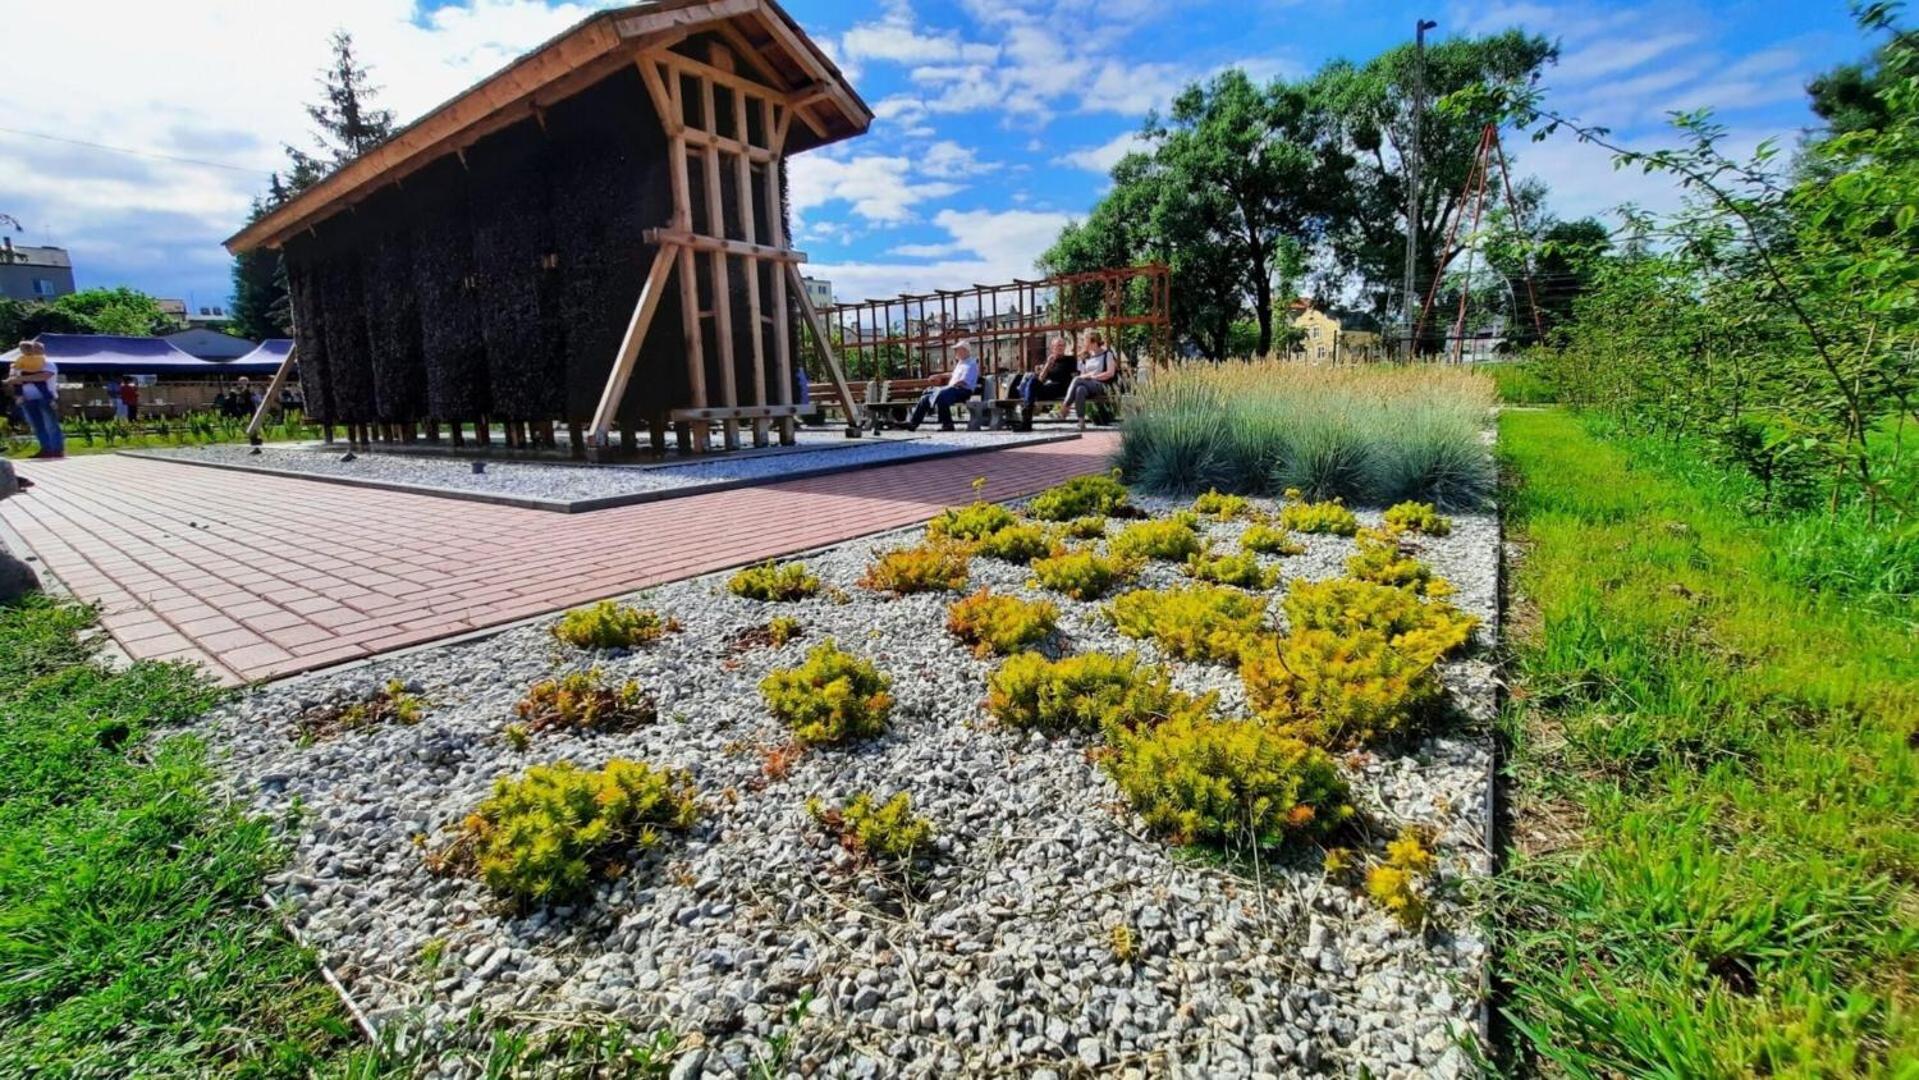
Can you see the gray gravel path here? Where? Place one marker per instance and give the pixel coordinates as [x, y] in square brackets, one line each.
[1001, 965]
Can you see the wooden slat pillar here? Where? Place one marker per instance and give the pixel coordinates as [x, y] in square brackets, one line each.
[721, 279]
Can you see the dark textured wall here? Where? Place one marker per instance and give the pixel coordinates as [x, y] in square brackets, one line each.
[447, 292]
[519, 293]
[392, 307]
[309, 338]
[343, 321]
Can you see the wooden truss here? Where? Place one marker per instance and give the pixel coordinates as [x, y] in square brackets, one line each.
[733, 128]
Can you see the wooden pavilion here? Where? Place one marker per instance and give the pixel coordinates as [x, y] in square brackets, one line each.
[594, 236]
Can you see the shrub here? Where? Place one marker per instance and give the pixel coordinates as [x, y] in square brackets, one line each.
[973, 522]
[998, 624]
[771, 582]
[1082, 575]
[1089, 692]
[1346, 606]
[1079, 497]
[1340, 690]
[1242, 570]
[833, 697]
[1173, 539]
[884, 832]
[1230, 782]
[1382, 561]
[1084, 528]
[584, 700]
[1015, 544]
[607, 625]
[935, 566]
[1418, 517]
[1318, 517]
[1195, 622]
[544, 836]
[1270, 540]
[391, 704]
[1223, 507]
[1397, 882]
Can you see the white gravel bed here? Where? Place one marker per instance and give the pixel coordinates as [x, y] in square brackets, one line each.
[1001, 963]
[561, 483]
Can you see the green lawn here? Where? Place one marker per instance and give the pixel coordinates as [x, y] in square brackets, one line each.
[1714, 796]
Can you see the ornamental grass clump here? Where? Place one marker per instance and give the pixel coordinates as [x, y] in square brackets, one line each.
[607, 625]
[1418, 629]
[1082, 496]
[1331, 518]
[834, 697]
[585, 701]
[1383, 560]
[1015, 544]
[545, 836]
[1241, 570]
[1083, 574]
[1340, 690]
[1224, 507]
[886, 833]
[771, 582]
[1270, 540]
[1085, 693]
[1173, 539]
[995, 624]
[934, 566]
[975, 521]
[1208, 623]
[1235, 783]
[1418, 517]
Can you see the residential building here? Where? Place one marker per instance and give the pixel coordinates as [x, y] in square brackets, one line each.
[1334, 336]
[209, 315]
[175, 310]
[34, 273]
[819, 292]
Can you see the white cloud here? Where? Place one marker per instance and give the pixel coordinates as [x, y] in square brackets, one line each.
[1101, 159]
[878, 187]
[948, 158]
[982, 246]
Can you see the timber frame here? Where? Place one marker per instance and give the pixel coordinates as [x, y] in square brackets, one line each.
[737, 87]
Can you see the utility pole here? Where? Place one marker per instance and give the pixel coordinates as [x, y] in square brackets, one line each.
[1407, 316]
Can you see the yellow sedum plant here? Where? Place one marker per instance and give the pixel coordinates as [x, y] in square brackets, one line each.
[975, 521]
[1419, 629]
[607, 625]
[834, 697]
[1082, 574]
[1086, 693]
[774, 582]
[1318, 517]
[1084, 528]
[881, 832]
[1340, 690]
[1015, 544]
[997, 624]
[1241, 570]
[1418, 517]
[935, 566]
[1224, 507]
[1269, 540]
[1208, 623]
[584, 700]
[1401, 882]
[545, 836]
[1234, 783]
[1082, 496]
[1173, 539]
[1382, 560]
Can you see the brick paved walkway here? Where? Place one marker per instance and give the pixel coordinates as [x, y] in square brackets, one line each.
[261, 576]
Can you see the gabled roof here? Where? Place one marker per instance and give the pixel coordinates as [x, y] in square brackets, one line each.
[592, 49]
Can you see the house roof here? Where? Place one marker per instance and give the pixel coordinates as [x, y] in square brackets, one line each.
[36, 256]
[114, 354]
[592, 49]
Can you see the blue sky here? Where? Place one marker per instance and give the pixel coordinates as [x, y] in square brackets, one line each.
[997, 121]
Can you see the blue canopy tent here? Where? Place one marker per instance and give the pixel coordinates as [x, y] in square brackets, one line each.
[113, 354]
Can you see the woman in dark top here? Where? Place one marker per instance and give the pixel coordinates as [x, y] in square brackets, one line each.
[1050, 384]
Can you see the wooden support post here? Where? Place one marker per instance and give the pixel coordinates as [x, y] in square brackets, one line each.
[743, 178]
[629, 355]
[272, 394]
[776, 237]
[458, 432]
[482, 433]
[721, 280]
[855, 417]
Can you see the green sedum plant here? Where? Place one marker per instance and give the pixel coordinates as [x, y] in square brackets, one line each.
[608, 625]
[1419, 629]
[833, 697]
[1242, 570]
[1418, 517]
[1015, 544]
[1340, 690]
[882, 832]
[1270, 540]
[1083, 574]
[935, 566]
[975, 521]
[545, 836]
[1082, 496]
[774, 582]
[997, 624]
[1196, 622]
[584, 700]
[1092, 527]
[1224, 507]
[1173, 539]
[1318, 517]
[1085, 693]
[1235, 783]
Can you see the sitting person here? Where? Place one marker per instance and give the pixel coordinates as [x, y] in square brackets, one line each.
[1097, 370]
[1049, 383]
[959, 386]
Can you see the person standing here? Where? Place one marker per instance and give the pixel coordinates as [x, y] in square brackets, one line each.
[35, 380]
[959, 386]
[129, 409]
[116, 398]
